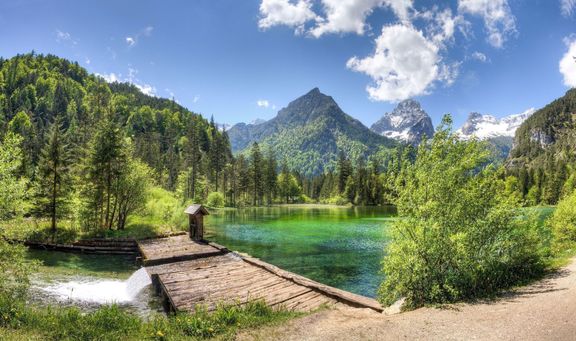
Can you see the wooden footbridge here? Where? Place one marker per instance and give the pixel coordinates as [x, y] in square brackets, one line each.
[190, 273]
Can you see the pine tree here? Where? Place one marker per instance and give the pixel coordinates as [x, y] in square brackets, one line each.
[257, 174]
[344, 171]
[104, 165]
[270, 177]
[53, 175]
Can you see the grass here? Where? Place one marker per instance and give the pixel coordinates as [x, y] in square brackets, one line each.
[18, 321]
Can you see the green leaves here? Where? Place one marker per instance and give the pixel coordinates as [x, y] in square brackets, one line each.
[12, 187]
[459, 237]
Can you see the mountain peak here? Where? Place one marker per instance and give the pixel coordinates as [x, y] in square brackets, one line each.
[488, 126]
[408, 122]
[408, 104]
[310, 132]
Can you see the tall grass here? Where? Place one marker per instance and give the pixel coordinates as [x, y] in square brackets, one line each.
[112, 323]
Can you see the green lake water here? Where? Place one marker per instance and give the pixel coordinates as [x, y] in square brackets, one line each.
[338, 246]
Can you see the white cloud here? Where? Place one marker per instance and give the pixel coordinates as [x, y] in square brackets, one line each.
[196, 99]
[131, 78]
[404, 64]
[567, 7]
[442, 25]
[498, 19]
[401, 8]
[130, 41]
[146, 89]
[87, 61]
[411, 55]
[479, 56]
[62, 36]
[285, 12]
[344, 16]
[263, 103]
[339, 16]
[145, 32]
[568, 63]
[110, 77]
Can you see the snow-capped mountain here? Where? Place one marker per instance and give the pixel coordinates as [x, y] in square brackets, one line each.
[408, 122]
[488, 126]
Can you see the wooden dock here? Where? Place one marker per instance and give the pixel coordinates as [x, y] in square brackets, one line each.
[188, 274]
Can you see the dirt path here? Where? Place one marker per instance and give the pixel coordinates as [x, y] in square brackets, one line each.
[545, 310]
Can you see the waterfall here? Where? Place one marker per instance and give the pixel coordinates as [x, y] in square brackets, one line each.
[101, 291]
[137, 281]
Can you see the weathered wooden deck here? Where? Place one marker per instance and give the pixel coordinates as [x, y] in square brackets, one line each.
[188, 274]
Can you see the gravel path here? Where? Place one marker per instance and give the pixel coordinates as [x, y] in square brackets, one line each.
[545, 310]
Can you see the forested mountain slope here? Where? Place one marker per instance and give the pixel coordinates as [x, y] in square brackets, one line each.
[35, 89]
[543, 156]
[309, 133]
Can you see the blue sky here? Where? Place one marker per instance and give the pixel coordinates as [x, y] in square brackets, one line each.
[242, 60]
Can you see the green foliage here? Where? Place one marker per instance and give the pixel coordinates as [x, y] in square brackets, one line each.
[53, 181]
[458, 236]
[12, 188]
[309, 134]
[15, 269]
[215, 199]
[113, 323]
[99, 120]
[288, 187]
[543, 156]
[563, 220]
[336, 200]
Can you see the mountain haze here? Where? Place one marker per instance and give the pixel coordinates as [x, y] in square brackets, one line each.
[309, 133]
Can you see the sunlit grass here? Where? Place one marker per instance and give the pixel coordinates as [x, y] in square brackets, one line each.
[18, 321]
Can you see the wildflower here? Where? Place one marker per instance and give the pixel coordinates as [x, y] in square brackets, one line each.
[159, 333]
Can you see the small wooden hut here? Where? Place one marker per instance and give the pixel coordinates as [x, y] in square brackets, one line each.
[196, 215]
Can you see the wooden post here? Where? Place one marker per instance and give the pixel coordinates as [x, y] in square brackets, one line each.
[196, 215]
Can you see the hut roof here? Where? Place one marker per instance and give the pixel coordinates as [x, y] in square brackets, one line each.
[194, 209]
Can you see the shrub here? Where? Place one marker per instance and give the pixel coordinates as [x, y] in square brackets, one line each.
[15, 270]
[563, 220]
[459, 236]
[215, 199]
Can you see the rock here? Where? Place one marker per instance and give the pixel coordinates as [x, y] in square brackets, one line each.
[408, 122]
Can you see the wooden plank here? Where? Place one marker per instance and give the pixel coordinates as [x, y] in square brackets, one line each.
[295, 301]
[186, 291]
[241, 293]
[350, 298]
[212, 282]
[190, 265]
[204, 273]
[195, 273]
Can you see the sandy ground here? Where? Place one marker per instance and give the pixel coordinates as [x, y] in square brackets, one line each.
[545, 310]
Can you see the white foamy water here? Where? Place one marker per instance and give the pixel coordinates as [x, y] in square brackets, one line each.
[101, 291]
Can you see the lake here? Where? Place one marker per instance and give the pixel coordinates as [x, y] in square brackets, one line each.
[338, 246]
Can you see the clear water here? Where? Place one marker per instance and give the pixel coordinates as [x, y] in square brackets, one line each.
[339, 246]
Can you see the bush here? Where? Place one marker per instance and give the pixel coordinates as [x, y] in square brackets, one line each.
[337, 200]
[215, 199]
[15, 270]
[459, 236]
[563, 220]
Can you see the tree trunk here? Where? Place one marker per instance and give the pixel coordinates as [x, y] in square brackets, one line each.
[53, 208]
